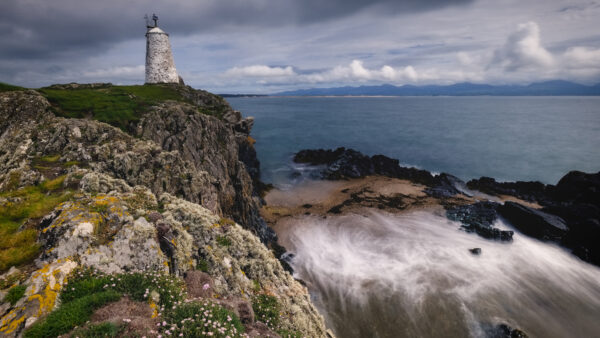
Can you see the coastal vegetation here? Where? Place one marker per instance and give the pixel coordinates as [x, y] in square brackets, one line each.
[5, 87]
[20, 209]
[115, 105]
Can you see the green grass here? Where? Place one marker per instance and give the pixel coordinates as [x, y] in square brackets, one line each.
[14, 294]
[266, 310]
[88, 281]
[19, 247]
[189, 319]
[5, 87]
[202, 265]
[116, 105]
[101, 330]
[71, 314]
[223, 241]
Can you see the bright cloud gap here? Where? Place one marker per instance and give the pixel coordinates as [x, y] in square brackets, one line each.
[520, 59]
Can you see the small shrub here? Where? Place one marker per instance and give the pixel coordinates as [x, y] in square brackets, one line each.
[202, 265]
[106, 329]
[256, 285]
[223, 241]
[289, 334]
[14, 294]
[71, 314]
[226, 221]
[195, 319]
[266, 309]
[50, 158]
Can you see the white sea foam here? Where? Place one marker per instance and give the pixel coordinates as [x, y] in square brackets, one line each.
[412, 275]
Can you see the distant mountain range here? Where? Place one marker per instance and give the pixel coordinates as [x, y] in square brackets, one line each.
[550, 88]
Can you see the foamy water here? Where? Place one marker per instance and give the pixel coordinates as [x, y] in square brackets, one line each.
[413, 276]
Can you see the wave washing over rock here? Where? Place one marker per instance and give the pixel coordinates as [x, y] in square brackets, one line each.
[98, 220]
[412, 275]
[389, 251]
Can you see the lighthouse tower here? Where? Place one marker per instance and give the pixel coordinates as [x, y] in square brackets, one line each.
[160, 67]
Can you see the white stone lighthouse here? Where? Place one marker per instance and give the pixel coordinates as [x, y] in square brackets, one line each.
[160, 67]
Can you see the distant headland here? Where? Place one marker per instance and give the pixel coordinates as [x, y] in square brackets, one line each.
[548, 88]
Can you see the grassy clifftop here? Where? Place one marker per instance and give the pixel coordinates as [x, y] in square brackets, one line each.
[116, 105]
[121, 105]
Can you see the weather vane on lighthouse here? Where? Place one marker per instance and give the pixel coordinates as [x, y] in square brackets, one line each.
[154, 18]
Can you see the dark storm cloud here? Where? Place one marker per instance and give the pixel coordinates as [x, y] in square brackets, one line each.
[42, 29]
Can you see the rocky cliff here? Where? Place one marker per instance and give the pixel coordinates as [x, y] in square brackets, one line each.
[159, 215]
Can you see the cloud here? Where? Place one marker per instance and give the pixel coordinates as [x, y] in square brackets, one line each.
[42, 29]
[578, 57]
[355, 71]
[260, 71]
[521, 58]
[523, 49]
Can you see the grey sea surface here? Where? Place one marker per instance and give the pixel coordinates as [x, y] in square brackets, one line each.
[508, 138]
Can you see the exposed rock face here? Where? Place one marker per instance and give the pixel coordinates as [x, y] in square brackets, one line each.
[181, 151]
[111, 232]
[210, 146]
[533, 222]
[151, 203]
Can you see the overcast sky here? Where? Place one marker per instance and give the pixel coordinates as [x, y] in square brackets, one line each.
[265, 46]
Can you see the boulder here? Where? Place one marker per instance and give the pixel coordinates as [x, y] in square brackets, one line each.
[533, 222]
[199, 284]
[502, 331]
[475, 251]
[580, 187]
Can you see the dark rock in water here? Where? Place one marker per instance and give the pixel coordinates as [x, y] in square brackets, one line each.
[529, 191]
[579, 187]
[343, 163]
[479, 218]
[475, 251]
[502, 331]
[444, 186]
[283, 256]
[533, 222]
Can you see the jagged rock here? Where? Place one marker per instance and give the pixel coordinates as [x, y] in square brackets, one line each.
[479, 218]
[502, 331]
[113, 221]
[216, 150]
[529, 191]
[533, 222]
[343, 163]
[183, 152]
[578, 187]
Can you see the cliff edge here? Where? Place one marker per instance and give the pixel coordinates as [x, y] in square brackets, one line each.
[144, 225]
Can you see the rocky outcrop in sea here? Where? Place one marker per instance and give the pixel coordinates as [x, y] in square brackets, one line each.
[568, 213]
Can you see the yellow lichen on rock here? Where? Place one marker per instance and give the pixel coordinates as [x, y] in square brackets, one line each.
[44, 287]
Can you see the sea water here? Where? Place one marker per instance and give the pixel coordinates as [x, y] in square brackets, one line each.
[508, 138]
[412, 275]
